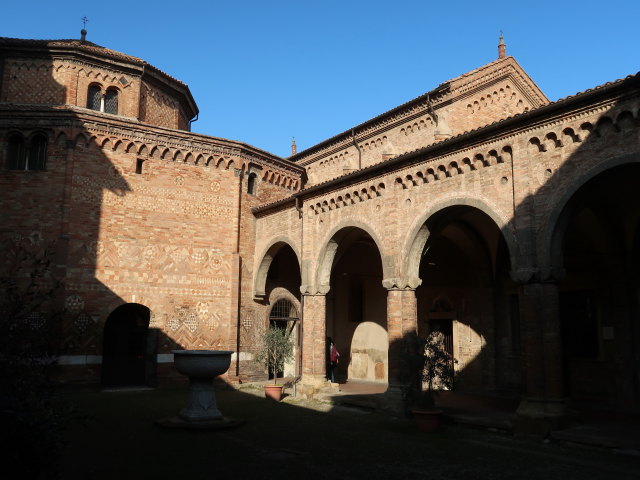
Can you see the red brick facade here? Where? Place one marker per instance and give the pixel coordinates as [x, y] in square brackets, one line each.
[467, 210]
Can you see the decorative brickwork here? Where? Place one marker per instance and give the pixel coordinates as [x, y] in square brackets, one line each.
[479, 210]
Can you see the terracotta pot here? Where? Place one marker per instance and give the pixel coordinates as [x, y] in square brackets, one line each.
[274, 392]
[428, 420]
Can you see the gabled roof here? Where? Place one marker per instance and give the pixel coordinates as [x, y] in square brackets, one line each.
[513, 123]
[450, 89]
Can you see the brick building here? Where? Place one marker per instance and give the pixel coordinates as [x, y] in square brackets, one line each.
[479, 209]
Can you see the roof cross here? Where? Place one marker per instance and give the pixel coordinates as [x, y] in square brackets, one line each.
[84, 21]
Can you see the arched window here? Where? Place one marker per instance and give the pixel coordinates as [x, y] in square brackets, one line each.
[30, 155]
[16, 152]
[283, 310]
[94, 98]
[111, 101]
[37, 159]
[251, 184]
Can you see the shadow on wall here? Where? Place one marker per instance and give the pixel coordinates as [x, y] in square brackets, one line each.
[587, 249]
[77, 216]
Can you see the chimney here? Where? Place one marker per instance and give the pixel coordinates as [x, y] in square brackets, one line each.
[293, 146]
[502, 48]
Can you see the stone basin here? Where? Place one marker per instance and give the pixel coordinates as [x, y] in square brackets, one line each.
[202, 363]
[201, 366]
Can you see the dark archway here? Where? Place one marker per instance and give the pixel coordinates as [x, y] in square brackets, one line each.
[596, 238]
[467, 294]
[129, 348]
[357, 308]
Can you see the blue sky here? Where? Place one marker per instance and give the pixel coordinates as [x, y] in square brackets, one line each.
[264, 72]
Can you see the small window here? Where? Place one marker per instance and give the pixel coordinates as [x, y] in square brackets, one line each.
[111, 101]
[16, 153]
[94, 98]
[251, 184]
[139, 164]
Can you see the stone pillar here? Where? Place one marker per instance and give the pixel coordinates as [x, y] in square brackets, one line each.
[543, 406]
[401, 323]
[314, 338]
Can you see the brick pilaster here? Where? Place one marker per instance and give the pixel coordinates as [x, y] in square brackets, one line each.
[542, 353]
[401, 321]
[314, 337]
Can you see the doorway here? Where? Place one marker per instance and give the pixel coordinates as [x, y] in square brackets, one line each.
[129, 348]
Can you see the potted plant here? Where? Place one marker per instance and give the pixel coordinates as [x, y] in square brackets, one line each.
[433, 371]
[275, 349]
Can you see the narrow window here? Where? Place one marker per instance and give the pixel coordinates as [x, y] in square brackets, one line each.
[16, 153]
[251, 184]
[111, 101]
[94, 98]
[139, 163]
[37, 158]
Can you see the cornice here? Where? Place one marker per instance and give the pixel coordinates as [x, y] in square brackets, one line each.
[591, 102]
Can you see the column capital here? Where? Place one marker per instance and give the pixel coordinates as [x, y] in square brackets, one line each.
[313, 290]
[527, 275]
[401, 283]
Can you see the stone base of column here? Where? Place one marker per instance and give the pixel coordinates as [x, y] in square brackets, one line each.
[392, 401]
[541, 415]
[309, 385]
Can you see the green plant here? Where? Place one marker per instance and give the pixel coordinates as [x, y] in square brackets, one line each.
[430, 368]
[275, 348]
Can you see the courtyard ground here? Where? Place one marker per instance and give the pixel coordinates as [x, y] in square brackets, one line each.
[116, 439]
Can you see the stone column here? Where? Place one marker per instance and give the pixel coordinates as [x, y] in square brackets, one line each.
[401, 323]
[314, 338]
[543, 406]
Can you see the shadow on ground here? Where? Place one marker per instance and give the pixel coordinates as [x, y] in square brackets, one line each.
[301, 439]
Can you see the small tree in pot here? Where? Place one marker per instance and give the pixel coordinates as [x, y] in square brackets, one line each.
[434, 369]
[274, 351]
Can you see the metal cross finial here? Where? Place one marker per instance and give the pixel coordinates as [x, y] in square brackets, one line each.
[84, 21]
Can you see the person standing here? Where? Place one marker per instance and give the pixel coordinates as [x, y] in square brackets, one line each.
[334, 358]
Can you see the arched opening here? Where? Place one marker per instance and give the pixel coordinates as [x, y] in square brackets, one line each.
[129, 348]
[94, 98]
[16, 152]
[597, 237]
[252, 184]
[468, 296]
[277, 291]
[37, 159]
[111, 101]
[356, 308]
[284, 315]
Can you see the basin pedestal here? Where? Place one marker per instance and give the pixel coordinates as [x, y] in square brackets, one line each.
[201, 410]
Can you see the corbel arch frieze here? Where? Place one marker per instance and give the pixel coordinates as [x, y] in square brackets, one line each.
[176, 150]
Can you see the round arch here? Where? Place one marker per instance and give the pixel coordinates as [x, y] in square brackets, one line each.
[331, 243]
[129, 351]
[554, 226]
[419, 233]
[266, 258]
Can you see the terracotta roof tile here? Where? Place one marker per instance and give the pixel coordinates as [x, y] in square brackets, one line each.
[85, 46]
